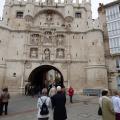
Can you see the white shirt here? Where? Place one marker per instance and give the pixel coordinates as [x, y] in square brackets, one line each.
[116, 104]
[100, 102]
[39, 104]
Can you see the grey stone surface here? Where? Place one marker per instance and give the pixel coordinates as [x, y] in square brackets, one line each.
[24, 108]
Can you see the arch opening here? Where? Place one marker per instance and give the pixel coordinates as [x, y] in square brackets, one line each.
[44, 77]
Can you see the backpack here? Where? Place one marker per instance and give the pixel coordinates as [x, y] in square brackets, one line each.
[44, 108]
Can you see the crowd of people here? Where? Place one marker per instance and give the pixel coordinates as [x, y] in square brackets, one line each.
[55, 98]
[110, 107]
[4, 99]
[56, 101]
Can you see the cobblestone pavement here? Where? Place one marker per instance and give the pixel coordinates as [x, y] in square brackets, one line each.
[24, 108]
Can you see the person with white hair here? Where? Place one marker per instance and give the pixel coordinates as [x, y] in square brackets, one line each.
[41, 100]
[52, 91]
[58, 105]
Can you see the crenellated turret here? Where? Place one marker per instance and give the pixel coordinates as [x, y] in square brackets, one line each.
[83, 1]
[77, 1]
[69, 12]
[6, 12]
[88, 8]
[7, 2]
[59, 1]
[49, 2]
[29, 10]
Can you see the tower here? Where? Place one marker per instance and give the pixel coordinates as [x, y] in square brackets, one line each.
[6, 12]
[29, 10]
[69, 15]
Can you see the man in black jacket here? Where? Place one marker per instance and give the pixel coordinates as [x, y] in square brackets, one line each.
[58, 104]
[0, 104]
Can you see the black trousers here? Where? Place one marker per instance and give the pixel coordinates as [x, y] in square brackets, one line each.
[43, 118]
[71, 99]
[0, 108]
[5, 107]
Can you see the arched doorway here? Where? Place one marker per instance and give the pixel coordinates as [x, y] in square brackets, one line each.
[42, 76]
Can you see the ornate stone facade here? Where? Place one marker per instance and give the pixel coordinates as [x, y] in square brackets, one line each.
[59, 34]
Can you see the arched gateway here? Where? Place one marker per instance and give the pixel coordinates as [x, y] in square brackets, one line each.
[38, 33]
[44, 76]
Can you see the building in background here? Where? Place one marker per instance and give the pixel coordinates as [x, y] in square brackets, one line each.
[109, 16]
[44, 41]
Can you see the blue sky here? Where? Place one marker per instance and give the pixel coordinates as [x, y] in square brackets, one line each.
[95, 4]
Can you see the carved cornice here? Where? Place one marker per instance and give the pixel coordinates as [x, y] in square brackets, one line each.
[46, 61]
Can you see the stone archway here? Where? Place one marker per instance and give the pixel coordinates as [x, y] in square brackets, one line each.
[40, 77]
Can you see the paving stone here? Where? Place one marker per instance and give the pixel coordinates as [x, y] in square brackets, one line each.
[24, 108]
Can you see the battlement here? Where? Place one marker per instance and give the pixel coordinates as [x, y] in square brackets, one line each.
[38, 2]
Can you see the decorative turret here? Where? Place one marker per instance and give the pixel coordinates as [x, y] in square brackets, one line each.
[77, 1]
[59, 1]
[49, 2]
[88, 7]
[69, 12]
[83, 1]
[6, 12]
[29, 10]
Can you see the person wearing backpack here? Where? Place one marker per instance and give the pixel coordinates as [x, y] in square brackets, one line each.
[43, 105]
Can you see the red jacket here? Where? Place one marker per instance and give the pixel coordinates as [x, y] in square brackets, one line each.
[70, 91]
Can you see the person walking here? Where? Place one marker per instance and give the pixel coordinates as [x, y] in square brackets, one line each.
[52, 91]
[116, 104]
[58, 105]
[0, 103]
[71, 93]
[44, 99]
[5, 99]
[107, 106]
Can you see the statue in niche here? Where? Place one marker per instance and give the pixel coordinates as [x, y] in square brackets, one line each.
[60, 39]
[60, 53]
[48, 39]
[47, 54]
[49, 2]
[35, 39]
[49, 17]
[33, 52]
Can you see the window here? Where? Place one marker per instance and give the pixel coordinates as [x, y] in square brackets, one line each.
[77, 15]
[19, 14]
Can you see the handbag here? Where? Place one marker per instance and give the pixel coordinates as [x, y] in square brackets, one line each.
[99, 111]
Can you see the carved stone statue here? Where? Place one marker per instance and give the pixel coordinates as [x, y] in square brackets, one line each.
[47, 54]
[60, 41]
[60, 53]
[35, 39]
[34, 52]
[49, 2]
